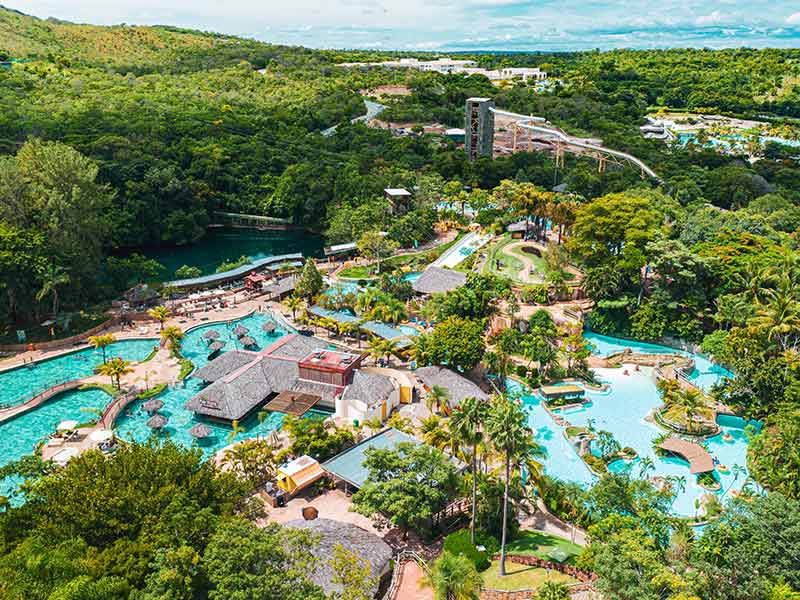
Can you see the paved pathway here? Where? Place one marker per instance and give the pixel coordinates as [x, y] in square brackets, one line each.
[542, 520]
[410, 587]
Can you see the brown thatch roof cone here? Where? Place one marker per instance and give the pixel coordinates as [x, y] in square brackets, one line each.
[152, 406]
[214, 346]
[247, 341]
[200, 430]
[269, 327]
[240, 330]
[156, 421]
[211, 335]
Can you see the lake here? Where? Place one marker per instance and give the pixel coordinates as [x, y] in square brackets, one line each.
[221, 245]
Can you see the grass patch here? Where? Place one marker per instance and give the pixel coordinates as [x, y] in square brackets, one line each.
[520, 577]
[187, 367]
[150, 356]
[106, 387]
[153, 391]
[356, 272]
[538, 543]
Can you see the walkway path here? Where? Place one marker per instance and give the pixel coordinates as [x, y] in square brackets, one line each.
[38, 399]
[543, 520]
[410, 588]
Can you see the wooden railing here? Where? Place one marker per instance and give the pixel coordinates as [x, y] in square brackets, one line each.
[115, 407]
[402, 557]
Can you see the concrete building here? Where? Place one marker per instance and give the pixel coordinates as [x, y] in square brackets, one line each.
[368, 396]
[523, 73]
[479, 128]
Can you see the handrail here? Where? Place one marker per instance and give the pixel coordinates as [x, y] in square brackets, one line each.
[402, 557]
[525, 122]
[17, 409]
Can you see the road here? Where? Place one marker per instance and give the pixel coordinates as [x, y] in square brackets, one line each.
[373, 110]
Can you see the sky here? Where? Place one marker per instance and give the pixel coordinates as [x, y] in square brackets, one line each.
[452, 25]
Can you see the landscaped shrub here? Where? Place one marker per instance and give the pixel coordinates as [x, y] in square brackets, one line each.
[536, 294]
[460, 543]
[595, 463]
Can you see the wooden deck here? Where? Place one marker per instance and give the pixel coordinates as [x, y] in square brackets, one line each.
[292, 403]
[700, 461]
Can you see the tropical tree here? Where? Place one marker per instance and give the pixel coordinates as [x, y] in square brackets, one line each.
[779, 317]
[510, 436]
[552, 590]
[51, 279]
[437, 399]
[236, 429]
[375, 246]
[160, 314]
[102, 342]
[453, 577]
[172, 336]
[466, 423]
[294, 303]
[115, 369]
[310, 283]
[435, 433]
[690, 402]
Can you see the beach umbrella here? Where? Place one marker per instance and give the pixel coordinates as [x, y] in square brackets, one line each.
[156, 421]
[269, 327]
[101, 435]
[200, 431]
[67, 425]
[211, 335]
[247, 341]
[152, 406]
[239, 331]
[214, 346]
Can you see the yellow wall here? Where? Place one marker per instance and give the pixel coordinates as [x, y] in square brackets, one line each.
[405, 394]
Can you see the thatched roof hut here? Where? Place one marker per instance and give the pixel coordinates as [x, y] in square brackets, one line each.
[153, 405]
[200, 431]
[211, 335]
[436, 280]
[458, 386]
[215, 346]
[366, 545]
[224, 365]
[248, 341]
[269, 327]
[157, 421]
[240, 330]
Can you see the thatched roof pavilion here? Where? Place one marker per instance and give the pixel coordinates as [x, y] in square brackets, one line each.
[224, 365]
[269, 327]
[458, 386]
[435, 280]
[153, 405]
[240, 330]
[211, 335]
[248, 341]
[216, 345]
[366, 545]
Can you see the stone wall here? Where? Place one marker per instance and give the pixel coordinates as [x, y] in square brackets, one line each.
[535, 561]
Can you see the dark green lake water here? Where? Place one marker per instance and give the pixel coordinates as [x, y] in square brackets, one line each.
[221, 245]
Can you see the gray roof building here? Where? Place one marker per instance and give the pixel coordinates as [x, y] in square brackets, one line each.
[296, 347]
[369, 388]
[225, 364]
[329, 533]
[436, 280]
[281, 287]
[457, 385]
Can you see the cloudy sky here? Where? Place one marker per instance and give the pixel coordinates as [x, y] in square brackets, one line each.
[458, 24]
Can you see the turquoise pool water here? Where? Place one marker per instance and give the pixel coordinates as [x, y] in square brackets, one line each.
[622, 410]
[704, 375]
[21, 435]
[409, 330]
[22, 383]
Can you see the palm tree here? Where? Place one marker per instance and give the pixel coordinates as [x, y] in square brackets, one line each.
[101, 342]
[419, 349]
[667, 388]
[690, 402]
[172, 336]
[466, 424]
[646, 465]
[552, 590]
[453, 578]
[389, 348]
[293, 303]
[160, 314]
[434, 434]
[375, 348]
[236, 429]
[437, 399]
[115, 369]
[779, 318]
[510, 436]
[52, 278]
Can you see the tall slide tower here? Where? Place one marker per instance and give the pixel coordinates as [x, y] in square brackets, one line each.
[479, 140]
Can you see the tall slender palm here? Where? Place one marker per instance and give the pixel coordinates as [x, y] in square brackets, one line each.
[236, 429]
[160, 314]
[433, 432]
[690, 402]
[453, 578]
[667, 388]
[52, 278]
[437, 399]
[375, 348]
[102, 342]
[779, 317]
[467, 424]
[507, 430]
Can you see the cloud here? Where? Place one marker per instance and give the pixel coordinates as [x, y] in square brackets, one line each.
[793, 19]
[711, 19]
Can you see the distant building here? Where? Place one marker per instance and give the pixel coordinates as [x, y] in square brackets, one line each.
[523, 73]
[457, 386]
[368, 396]
[399, 198]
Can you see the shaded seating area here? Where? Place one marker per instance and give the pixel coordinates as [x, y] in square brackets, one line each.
[381, 330]
[700, 461]
[435, 280]
[292, 403]
[562, 392]
[458, 387]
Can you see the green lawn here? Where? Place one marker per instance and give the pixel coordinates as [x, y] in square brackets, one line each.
[520, 577]
[537, 543]
[356, 272]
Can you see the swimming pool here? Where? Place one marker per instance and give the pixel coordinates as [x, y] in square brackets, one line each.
[22, 383]
[621, 410]
[704, 375]
[20, 435]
